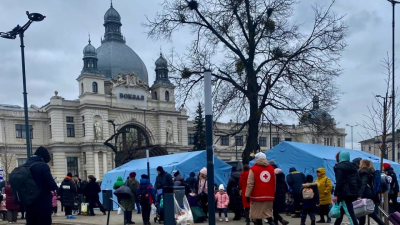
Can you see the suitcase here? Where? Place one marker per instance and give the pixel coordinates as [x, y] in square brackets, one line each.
[198, 215]
[394, 218]
[363, 207]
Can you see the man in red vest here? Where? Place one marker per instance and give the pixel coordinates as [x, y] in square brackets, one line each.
[261, 190]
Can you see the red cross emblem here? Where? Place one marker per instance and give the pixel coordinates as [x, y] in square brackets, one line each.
[265, 176]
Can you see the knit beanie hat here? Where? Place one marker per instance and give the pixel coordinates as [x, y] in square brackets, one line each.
[69, 174]
[386, 165]
[309, 178]
[144, 176]
[221, 187]
[277, 171]
[160, 168]
[132, 174]
[203, 171]
[261, 155]
[43, 153]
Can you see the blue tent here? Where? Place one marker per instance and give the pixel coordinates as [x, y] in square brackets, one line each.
[184, 162]
[307, 158]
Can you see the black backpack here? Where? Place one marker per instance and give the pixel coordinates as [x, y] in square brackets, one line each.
[142, 195]
[24, 188]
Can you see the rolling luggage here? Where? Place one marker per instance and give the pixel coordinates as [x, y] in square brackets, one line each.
[394, 218]
[363, 207]
[198, 215]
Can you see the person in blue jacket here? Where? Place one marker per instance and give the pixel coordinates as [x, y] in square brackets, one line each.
[146, 196]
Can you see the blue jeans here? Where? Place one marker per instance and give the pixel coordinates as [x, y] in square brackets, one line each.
[304, 213]
[223, 210]
[137, 205]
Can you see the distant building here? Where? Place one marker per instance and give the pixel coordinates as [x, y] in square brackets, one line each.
[373, 146]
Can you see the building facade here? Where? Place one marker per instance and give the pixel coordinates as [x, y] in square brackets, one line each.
[373, 146]
[115, 96]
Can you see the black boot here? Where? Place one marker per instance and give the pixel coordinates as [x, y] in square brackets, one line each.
[322, 220]
[303, 220]
[270, 221]
[313, 222]
[258, 222]
[284, 222]
[328, 220]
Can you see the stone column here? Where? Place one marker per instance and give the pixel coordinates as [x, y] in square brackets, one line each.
[104, 163]
[96, 164]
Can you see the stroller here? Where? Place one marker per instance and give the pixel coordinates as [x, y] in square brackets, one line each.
[160, 209]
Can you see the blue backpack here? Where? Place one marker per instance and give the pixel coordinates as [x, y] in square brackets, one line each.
[376, 182]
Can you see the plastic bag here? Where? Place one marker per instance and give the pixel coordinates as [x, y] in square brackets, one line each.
[335, 211]
[183, 214]
[120, 212]
[153, 210]
[84, 208]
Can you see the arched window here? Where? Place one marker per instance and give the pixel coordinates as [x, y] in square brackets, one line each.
[167, 95]
[155, 95]
[94, 87]
[82, 90]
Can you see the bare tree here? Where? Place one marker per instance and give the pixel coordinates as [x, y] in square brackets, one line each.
[378, 120]
[7, 157]
[261, 60]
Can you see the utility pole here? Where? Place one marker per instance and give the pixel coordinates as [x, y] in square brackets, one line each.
[351, 133]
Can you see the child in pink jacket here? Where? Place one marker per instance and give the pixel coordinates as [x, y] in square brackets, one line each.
[54, 203]
[222, 202]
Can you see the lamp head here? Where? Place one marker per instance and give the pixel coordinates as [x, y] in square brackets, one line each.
[37, 17]
[7, 35]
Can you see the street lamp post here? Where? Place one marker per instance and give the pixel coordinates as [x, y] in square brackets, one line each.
[351, 133]
[145, 128]
[18, 30]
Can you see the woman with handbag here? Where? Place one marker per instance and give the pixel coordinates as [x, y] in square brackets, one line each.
[202, 190]
[366, 173]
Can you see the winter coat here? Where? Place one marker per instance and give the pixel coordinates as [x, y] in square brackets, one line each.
[67, 192]
[92, 190]
[324, 188]
[118, 183]
[9, 198]
[347, 179]
[145, 183]
[164, 179]
[200, 185]
[235, 200]
[191, 180]
[310, 203]
[280, 192]
[129, 203]
[78, 185]
[179, 180]
[295, 179]
[54, 201]
[366, 184]
[261, 209]
[394, 185]
[45, 183]
[242, 186]
[3, 206]
[222, 200]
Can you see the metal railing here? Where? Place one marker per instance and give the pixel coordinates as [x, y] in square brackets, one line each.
[111, 207]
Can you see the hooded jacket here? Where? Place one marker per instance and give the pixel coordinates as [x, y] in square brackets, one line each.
[235, 200]
[118, 183]
[366, 184]
[67, 191]
[242, 186]
[191, 180]
[281, 190]
[295, 179]
[44, 181]
[9, 198]
[310, 203]
[92, 190]
[324, 187]
[222, 200]
[145, 184]
[347, 179]
[394, 185]
[178, 180]
[164, 179]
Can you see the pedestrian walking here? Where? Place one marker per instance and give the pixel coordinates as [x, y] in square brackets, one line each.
[394, 185]
[242, 186]
[12, 209]
[347, 186]
[54, 202]
[68, 194]
[295, 180]
[261, 190]
[39, 212]
[91, 193]
[191, 180]
[117, 185]
[235, 200]
[129, 203]
[366, 173]
[146, 197]
[309, 200]
[79, 197]
[222, 200]
[325, 195]
[280, 197]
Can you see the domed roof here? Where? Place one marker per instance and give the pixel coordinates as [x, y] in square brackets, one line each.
[316, 115]
[112, 15]
[161, 62]
[89, 49]
[117, 57]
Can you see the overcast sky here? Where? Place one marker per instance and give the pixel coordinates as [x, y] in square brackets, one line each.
[54, 48]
